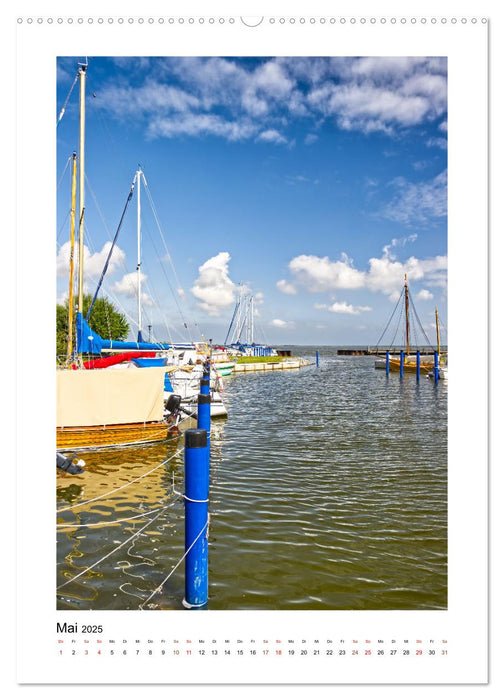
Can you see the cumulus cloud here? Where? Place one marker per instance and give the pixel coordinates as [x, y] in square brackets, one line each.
[424, 295]
[279, 323]
[286, 287]
[128, 286]
[214, 287]
[93, 262]
[385, 274]
[322, 274]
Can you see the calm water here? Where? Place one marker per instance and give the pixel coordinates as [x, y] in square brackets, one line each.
[328, 491]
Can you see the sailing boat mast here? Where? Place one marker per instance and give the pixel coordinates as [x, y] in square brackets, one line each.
[82, 120]
[437, 334]
[138, 175]
[406, 307]
[251, 320]
[72, 246]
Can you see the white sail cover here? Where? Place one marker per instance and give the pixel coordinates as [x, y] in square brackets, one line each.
[109, 396]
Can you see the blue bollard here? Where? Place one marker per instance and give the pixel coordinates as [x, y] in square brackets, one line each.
[387, 363]
[197, 486]
[317, 357]
[436, 367]
[418, 366]
[402, 364]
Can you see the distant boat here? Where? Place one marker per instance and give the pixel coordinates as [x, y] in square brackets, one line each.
[426, 362]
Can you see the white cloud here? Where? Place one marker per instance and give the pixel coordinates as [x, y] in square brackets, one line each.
[214, 287]
[128, 285]
[201, 125]
[286, 287]
[398, 242]
[418, 202]
[310, 138]
[385, 274]
[424, 295]
[437, 142]
[271, 136]
[322, 274]
[236, 100]
[278, 323]
[93, 262]
[341, 307]
[153, 97]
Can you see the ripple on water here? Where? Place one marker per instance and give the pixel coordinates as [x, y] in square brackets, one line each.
[328, 491]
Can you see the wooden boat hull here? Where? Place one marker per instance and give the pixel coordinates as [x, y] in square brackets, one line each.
[409, 366]
[101, 436]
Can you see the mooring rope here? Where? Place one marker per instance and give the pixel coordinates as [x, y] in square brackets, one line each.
[160, 587]
[186, 498]
[108, 493]
[135, 534]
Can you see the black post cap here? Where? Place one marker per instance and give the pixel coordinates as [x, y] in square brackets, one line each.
[203, 398]
[196, 437]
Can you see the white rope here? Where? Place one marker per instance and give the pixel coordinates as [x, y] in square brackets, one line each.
[135, 534]
[160, 587]
[186, 498]
[97, 498]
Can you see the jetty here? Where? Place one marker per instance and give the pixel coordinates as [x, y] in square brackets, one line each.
[369, 350]
[271, 364]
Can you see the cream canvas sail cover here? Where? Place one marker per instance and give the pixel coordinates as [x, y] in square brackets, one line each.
[109, 397]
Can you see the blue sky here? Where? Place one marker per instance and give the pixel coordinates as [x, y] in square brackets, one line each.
[315, 182]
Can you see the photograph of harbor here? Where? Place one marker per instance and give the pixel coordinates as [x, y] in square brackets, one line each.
[251, 333]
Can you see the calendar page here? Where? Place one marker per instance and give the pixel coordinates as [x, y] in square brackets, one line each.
[265, 225]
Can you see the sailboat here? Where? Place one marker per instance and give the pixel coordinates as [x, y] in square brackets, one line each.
[97, 407]
[241, 329]
[426, 362]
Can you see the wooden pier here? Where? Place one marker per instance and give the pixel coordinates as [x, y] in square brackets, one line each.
[427, 350]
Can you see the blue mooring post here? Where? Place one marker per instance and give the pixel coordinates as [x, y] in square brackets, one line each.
[436, 367]
[317, 357]
[418, 365]
[387, 364]
[402, 364]
[197, 485]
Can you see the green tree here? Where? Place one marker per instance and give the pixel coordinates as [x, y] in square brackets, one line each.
[105, 320]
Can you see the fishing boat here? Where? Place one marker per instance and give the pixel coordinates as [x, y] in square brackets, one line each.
[410, 361]
[98, 407]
